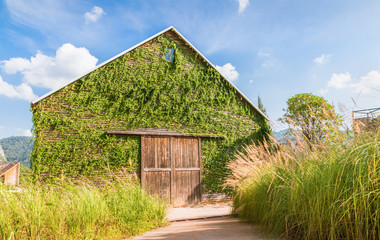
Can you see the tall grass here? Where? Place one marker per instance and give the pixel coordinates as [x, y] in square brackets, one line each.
[78, 212]
[325, 190]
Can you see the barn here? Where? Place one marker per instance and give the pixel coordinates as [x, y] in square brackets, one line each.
[160, 110]
[9, 173]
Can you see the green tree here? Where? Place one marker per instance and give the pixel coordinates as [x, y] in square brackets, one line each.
[260, 105]
[313, 115]
[267, 130]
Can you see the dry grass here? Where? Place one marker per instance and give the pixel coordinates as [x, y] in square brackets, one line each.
[329, 189]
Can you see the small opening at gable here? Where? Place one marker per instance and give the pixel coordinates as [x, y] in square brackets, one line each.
[169, 54]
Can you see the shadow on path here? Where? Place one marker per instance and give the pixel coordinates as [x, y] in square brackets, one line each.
[227, 228]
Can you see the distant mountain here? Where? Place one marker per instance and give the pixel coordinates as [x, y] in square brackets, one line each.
[284, 135]
[280, 136]
[17, 149]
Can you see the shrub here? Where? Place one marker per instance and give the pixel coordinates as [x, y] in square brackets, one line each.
[329, 190]
[78, 212]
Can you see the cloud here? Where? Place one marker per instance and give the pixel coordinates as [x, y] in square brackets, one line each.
[94, 15]
[42, 13]
[322, 59]
[228, 71]
[27, 132]
[368, 82]
[268, 63]
[64, 21]
[371, 81]
[262, 53]
[1, 127]
[251, 81]
[339, 81]
[23, 91]
[243, 4]
[52, 72]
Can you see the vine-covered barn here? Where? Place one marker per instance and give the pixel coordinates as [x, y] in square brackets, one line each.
[160, 109]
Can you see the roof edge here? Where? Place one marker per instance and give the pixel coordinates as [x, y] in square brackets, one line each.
[14, 165]
[233, 85]
[141, 43]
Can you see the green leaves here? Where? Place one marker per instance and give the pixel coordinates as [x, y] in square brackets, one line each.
[137, 90]
[312, 114]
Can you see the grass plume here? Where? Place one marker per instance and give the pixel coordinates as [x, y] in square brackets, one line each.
[329, 189]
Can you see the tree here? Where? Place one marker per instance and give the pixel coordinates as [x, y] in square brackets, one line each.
[313, 115]
[260, 105]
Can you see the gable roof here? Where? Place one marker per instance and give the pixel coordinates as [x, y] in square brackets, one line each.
[171, 28]
[6, 167]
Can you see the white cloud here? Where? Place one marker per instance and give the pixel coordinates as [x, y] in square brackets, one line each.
[250, 81]
[27, 132]
[23, 91]
[268, 63]
[242, 5]
[228, 71]
[1, 127]
[15, 65]
[94, 15]
[322, 59]
[41, 13]
[63, 21]
[339, 81]
[262, 53]
[45, 71]
[369, 82]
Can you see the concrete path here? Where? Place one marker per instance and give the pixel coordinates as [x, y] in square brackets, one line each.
[222, 228]
[199, 212]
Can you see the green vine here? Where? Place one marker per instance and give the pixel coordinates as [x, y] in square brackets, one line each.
[142, 89]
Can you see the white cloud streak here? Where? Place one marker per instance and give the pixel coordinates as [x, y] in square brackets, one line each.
[27, 133]
[262, 53]
[371, 81]
[243, 4]
[64, 21]
[52, 72]
[339, 81]
[322, 59]
[24, 132]
[228, 71]
[23, 91]
[94, 15]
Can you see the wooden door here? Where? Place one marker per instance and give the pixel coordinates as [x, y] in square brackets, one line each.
[170, 168]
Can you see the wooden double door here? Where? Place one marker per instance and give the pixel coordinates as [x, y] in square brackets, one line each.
[171, 168]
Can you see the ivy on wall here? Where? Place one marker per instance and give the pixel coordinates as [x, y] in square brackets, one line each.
[141, 89]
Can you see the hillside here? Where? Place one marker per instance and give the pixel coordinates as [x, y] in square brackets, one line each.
[17, 149]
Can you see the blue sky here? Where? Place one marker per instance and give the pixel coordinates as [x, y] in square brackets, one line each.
[271, 48]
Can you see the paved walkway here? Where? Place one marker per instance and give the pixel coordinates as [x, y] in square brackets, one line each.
[204, 222]
[222, 228]
[199, 212]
